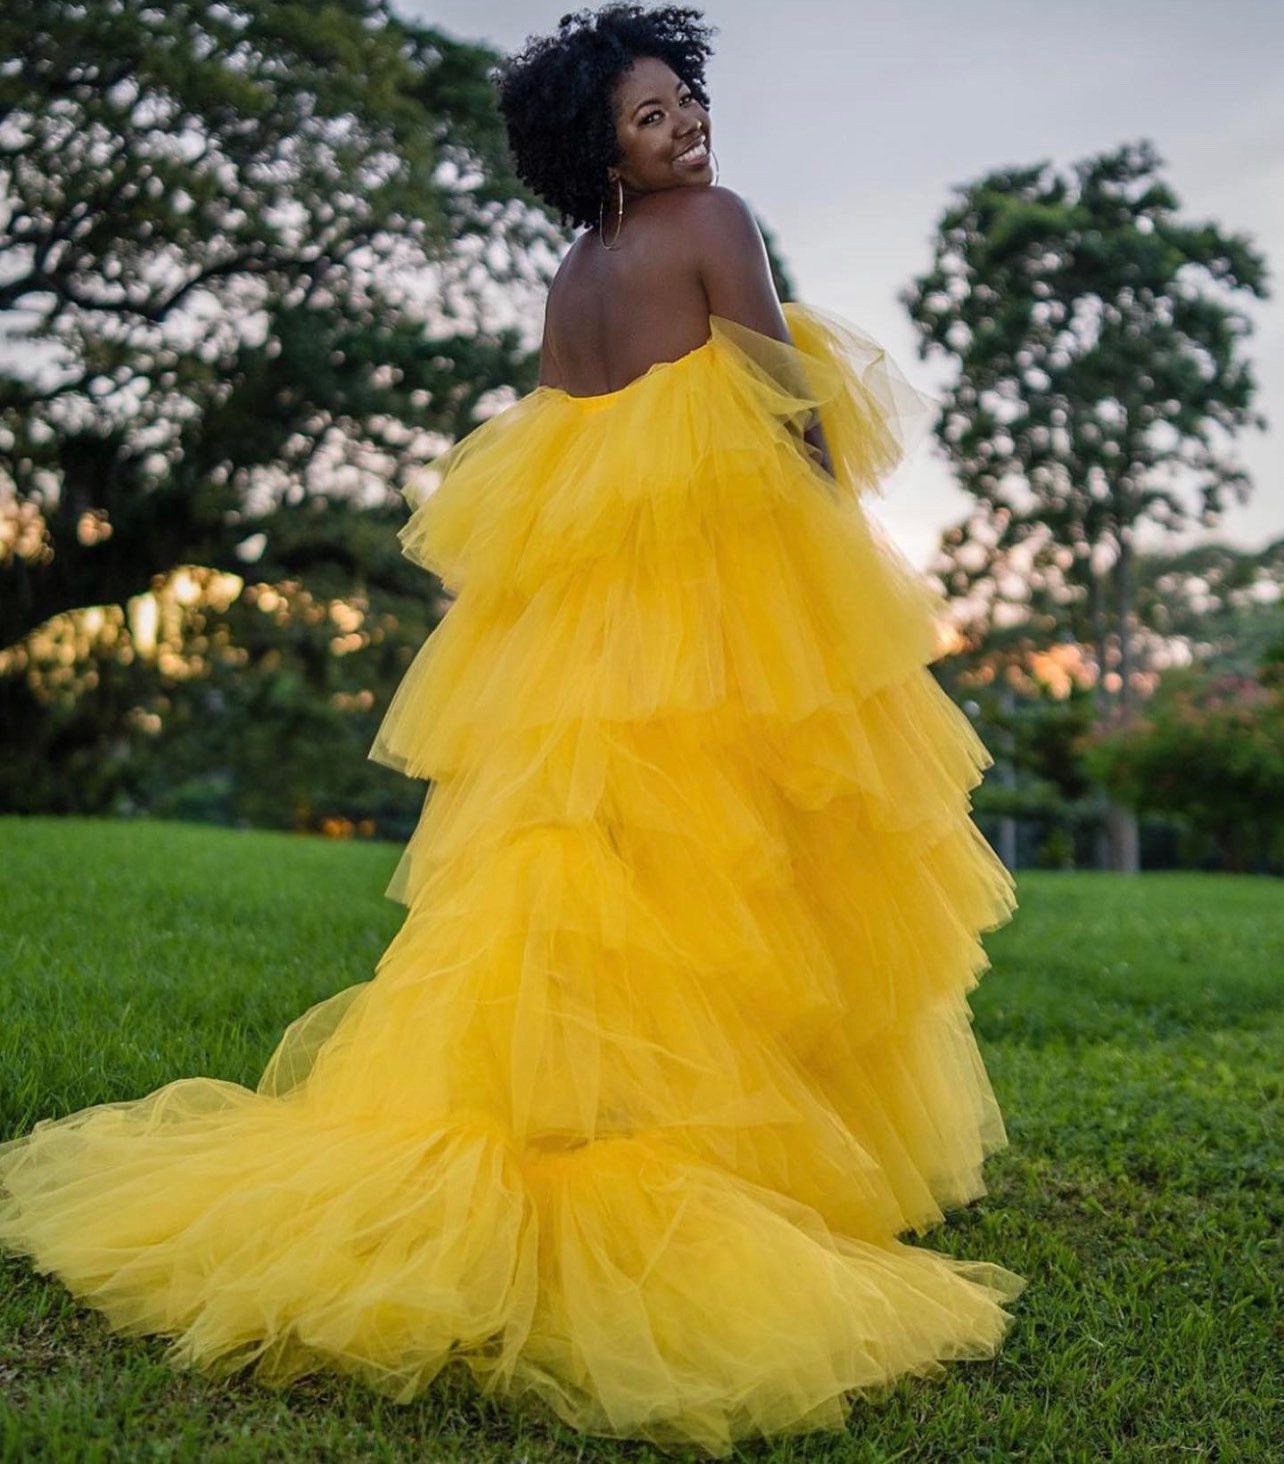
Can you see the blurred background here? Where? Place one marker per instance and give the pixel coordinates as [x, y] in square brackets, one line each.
[260, 261]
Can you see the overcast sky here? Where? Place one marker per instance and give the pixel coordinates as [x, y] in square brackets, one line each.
[846, 126]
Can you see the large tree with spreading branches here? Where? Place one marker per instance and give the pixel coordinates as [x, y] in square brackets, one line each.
[1099, 376]
[251, 253]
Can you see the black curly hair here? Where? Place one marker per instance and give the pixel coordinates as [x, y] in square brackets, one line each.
[555, 95]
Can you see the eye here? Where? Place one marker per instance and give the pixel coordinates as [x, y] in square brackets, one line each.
[690, 97]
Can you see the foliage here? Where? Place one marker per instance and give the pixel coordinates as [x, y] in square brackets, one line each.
[1031, 715]
[253, 704]
[1209, 747]
[255, 255]
[1220, 605]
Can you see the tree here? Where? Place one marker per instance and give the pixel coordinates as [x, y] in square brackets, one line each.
[254, 252]
[1097, 351]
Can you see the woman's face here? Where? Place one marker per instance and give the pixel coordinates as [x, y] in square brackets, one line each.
[662, 130]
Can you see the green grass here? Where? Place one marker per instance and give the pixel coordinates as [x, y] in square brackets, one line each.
[1132, 1029]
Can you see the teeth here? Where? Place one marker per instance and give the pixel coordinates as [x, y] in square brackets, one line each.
[696, 150]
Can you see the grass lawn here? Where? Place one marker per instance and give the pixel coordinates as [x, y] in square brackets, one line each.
[1132, 1029]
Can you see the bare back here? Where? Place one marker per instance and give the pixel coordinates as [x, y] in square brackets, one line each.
[682, 254]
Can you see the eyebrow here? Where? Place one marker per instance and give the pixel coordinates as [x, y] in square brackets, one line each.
[657, 101]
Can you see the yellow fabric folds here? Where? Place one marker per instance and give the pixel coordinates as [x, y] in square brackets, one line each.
[672, 1049]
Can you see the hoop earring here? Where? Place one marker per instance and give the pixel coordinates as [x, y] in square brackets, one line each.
[714, 156]
[600, 224]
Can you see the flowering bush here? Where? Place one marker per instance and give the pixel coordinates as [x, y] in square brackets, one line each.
[1209, 749]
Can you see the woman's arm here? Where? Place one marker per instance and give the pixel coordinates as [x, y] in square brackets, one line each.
[736, 275]
[815, 435]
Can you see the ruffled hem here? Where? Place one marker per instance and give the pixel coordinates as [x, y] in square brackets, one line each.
[631, 1286]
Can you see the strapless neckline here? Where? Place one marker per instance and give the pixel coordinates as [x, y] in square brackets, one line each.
[653, 369]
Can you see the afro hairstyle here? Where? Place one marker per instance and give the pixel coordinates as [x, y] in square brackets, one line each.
[555, 95]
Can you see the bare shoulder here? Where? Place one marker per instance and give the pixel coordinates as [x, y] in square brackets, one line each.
[719, 216]
[730, 256]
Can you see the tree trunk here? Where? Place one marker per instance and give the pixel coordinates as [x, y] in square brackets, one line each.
[1102, 857]
[1121, 823]
[1122, 839]
[1006, 770]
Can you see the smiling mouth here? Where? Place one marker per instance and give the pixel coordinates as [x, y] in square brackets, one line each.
[698, 152]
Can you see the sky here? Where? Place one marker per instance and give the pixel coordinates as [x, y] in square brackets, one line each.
[846, 126]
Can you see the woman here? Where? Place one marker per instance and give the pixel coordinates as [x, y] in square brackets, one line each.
[673, 1042]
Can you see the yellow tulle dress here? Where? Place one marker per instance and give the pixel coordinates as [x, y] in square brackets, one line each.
[672, 1051]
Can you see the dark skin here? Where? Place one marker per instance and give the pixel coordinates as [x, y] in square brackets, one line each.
[684, 249]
